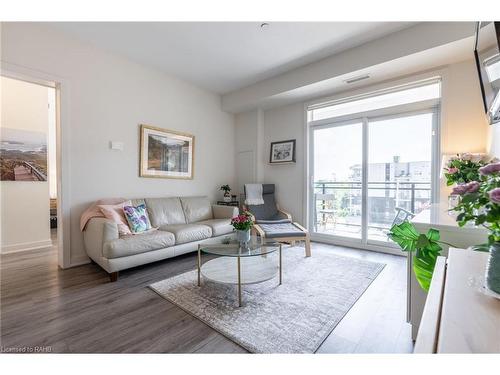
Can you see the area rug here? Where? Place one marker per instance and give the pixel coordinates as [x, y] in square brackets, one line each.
[295, 317]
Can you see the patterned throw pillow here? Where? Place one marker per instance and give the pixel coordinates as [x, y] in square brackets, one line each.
[137, 217]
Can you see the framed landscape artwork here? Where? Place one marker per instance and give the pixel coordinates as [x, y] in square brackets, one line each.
[282, 152]
[166, 153]
[23, 155]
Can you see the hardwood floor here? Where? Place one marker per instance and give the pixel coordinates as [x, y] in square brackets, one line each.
[78, 310]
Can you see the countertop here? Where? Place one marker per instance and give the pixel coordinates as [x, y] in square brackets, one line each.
[438, 217]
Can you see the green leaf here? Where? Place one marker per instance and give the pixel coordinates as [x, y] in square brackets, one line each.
[405, 235]
[426, 247]
[484, 247]
[433, 234]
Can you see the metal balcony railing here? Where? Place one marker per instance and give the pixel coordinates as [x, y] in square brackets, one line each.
[383, 198]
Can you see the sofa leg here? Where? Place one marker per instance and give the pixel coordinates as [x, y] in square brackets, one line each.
[113, 276]
[308, 246]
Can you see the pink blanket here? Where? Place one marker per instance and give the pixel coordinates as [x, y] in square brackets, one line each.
[94, 211]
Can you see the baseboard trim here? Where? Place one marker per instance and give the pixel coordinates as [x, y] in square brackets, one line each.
[77, 263]
[26, 246]
[377, 248]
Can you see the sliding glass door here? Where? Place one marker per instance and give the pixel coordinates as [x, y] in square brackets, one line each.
[399, 169]
[337, 193]
[365, 170]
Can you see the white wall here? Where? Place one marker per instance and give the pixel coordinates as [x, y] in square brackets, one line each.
[494, 145]
[107, 98]
[281, 124]
[250, 157]
[24, 204]
[463, 129]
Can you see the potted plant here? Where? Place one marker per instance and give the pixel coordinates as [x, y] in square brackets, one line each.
[461, 169]
[480, 204]
[425, 249]
[242, 223]
[227, 195]
[464, 168]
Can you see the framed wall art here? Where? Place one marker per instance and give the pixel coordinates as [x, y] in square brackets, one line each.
[282, 152]
[166, 153]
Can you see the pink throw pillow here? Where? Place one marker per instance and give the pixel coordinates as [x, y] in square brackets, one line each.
[114, 212]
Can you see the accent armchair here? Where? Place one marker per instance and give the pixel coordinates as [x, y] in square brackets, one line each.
[271, 222]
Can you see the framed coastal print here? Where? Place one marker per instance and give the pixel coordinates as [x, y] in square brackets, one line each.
[166, 153]
[23, 155]
[282, 152]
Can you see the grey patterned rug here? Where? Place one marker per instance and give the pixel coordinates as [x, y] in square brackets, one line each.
[295, 317]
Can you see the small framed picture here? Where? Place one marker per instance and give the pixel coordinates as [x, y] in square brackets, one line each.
[166, 153]
[282, 152]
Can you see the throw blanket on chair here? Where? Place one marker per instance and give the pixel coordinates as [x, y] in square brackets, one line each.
[253, 194]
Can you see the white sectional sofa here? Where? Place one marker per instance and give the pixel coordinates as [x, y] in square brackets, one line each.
[182, 222]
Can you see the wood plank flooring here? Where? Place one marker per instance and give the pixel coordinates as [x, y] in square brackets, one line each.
[78, 310]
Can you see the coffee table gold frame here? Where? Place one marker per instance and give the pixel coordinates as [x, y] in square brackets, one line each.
[239, 269]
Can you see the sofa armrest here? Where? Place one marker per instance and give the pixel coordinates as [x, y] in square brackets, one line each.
[97, 232]
[224, 212]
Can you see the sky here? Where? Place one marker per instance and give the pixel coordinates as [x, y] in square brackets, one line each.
[338, 148]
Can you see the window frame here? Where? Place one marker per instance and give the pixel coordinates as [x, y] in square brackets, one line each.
[425, 106]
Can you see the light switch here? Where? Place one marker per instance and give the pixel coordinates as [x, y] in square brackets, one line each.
[114, 145]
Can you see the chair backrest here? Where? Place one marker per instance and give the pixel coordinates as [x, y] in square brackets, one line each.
[325, 197]
[267, 210]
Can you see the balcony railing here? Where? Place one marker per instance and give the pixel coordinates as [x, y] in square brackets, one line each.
[338, 203]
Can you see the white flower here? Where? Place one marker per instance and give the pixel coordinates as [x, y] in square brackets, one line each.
[466, 156]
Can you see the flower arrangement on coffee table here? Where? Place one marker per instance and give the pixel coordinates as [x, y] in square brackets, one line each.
[242, 223]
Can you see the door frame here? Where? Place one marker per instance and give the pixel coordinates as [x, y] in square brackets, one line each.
[428, 106]
[61, 86]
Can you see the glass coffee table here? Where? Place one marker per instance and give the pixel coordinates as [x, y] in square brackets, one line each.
[240, 265]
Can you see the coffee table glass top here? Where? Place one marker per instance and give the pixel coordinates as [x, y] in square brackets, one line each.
[233, 249]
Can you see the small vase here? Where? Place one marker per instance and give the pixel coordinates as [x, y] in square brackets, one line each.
[453, 201]
[243, 236]
[227, 197]
[492, 276]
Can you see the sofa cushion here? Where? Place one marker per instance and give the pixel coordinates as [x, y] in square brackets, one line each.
[139, 243]
[164, 211]
[196, 209]
[188, 232]
[219, 226]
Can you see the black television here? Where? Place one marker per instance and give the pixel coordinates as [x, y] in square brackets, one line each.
[487, 55]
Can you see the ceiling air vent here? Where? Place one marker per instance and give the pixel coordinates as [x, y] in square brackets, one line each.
[357, 79]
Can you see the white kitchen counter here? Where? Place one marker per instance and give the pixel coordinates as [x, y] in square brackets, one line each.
[438, 217]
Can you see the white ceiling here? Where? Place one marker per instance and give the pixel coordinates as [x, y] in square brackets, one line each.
[226, 56]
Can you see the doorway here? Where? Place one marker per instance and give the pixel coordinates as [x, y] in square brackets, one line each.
[29, 176]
